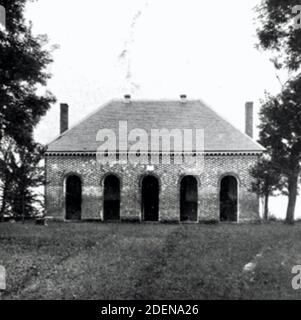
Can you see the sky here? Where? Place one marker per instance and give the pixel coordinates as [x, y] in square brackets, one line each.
[152, 49]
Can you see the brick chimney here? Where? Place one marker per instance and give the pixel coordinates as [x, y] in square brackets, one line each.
[249, 119]
[64, 117]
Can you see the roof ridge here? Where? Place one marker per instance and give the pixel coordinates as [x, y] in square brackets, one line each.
[156, 100]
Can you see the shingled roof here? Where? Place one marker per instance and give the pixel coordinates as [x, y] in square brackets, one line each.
[220, 135]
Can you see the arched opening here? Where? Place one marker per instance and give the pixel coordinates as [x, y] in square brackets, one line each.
[150, 198]
[111, 203]
[73, 198]
[189, 199]
[229, 199]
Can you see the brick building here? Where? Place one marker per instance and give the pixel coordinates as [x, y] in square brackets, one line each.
[79, 187]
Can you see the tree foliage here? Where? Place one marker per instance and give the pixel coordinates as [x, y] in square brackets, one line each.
[30, 176]
[23, 70]
[24, 59]
[280, 133]
[268, 180]
[278, 34]
[281, 114]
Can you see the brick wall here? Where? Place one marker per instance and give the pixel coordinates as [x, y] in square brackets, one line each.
[92, 176]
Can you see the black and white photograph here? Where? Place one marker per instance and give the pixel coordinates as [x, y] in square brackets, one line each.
[150, 151]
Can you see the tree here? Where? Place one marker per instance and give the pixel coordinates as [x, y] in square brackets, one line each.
[23, 75]
[22, 174]
[281, 115]
[29, 177]
[23, 70]
[281, 134]
[268, 181]
[278, 33]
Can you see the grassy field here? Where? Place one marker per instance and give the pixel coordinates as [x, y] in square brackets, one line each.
[149, 261]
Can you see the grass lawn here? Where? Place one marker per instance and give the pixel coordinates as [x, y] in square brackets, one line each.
[149, 261]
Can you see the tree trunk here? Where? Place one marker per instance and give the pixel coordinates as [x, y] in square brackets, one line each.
[292, 197]
[6, 183]
[266, 207]
[4, 200]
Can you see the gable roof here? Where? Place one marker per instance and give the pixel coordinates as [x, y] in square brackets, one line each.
[220, 135]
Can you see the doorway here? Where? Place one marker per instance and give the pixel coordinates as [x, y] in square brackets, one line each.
[150, 198]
